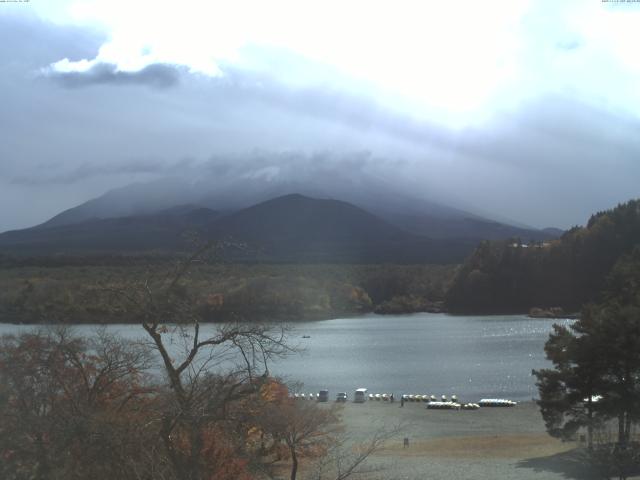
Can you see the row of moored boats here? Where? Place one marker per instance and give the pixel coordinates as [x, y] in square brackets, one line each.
[432, 401]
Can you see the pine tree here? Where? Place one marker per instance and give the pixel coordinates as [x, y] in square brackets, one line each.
[596, 361]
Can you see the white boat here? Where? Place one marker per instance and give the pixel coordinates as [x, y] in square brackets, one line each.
[496, 402]
[443, 406]
[594, 399]
[378, 396]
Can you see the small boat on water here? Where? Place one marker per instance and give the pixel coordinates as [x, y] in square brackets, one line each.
[306, 336]
[497, 402]
[443, 406]
[594, 399]
[470, 406]
[378, 396]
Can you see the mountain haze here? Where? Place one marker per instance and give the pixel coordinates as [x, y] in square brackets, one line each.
[291, 228]
[415, 215]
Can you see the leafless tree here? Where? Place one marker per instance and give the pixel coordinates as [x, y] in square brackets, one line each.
[197, 401]
[302, 427]
[347, 458]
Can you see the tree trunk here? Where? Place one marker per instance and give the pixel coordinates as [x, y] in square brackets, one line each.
[196, 450]
[627, 428]
[42, 470]
[590, 424]
[176, 458]
[294, 464]
[621, 439]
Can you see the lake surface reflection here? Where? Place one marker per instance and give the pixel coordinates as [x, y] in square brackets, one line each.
[471, 356]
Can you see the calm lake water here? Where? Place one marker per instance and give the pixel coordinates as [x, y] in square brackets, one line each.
[471, 356]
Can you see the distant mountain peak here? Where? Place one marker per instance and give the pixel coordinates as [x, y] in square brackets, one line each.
[397, 208]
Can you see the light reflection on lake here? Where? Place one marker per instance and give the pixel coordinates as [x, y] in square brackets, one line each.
[471, 356]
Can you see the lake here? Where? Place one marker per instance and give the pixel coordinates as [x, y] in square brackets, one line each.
[471, 356]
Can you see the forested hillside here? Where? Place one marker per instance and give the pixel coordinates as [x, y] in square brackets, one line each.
[85, 294]
[511, 276]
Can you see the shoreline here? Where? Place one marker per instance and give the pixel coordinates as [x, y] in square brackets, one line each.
[283, 320]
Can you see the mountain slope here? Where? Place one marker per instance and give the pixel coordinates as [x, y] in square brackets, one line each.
[298, 228]
[132, 200]
[294, 218]
[416, 215]
[466, 227]
[164, 230]
[292, 228]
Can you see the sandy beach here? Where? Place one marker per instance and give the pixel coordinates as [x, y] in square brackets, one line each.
[490, 443]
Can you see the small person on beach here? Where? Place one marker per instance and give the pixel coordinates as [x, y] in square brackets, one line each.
[402, 400]
[391, 398]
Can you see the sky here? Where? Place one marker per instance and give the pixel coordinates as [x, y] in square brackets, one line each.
[528, 111]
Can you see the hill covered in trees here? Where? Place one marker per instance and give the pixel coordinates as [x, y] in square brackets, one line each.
[72, 293]
[510, 276]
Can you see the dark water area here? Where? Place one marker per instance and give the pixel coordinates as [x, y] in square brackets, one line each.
[471, 356]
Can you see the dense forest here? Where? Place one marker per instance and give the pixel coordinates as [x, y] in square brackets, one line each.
[514, 276]
[70, 293]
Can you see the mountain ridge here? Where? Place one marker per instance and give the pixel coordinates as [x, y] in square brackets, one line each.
[290, 228]
[419, 216]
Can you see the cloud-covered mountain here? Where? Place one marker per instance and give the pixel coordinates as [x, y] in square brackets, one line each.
[415, 215]
[540, 136]
[287, 228]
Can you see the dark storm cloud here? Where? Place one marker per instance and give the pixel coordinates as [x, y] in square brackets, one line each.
[156, 75]
[356, 111]
[241, 87]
